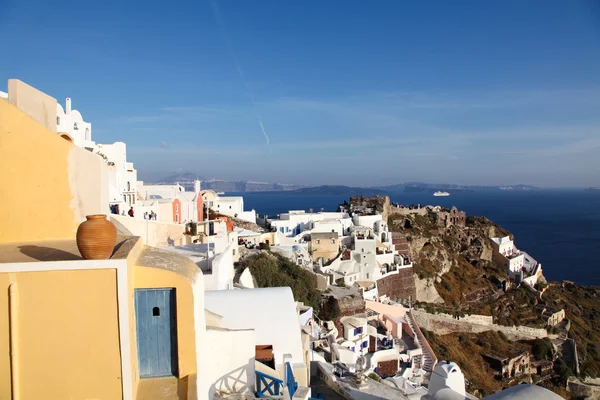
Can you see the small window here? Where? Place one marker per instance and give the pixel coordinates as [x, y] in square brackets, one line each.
[318, 241]
[230, 207]
[57, 120]
[332, 241]
[234, 252]
[176, 207]
[156, 312]
[75, 127]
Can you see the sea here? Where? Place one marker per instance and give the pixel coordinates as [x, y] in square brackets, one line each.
[559, 228]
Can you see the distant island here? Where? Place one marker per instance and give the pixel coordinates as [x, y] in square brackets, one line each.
[592, 189]
[339, 190]
[187, 179]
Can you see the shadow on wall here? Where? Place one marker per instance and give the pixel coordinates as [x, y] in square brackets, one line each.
[238, 380]
[42, 253]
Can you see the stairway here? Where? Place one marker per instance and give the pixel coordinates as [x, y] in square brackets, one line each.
[426, 361]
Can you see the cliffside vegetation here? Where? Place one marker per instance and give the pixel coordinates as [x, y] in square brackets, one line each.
[273, 270]
[457, 261]
[582, 308]
[468, 351]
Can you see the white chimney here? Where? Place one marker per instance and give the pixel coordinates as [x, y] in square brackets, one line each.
[68, 106]
[197, 186]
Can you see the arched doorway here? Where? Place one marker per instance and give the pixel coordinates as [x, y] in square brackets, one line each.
[66, 137]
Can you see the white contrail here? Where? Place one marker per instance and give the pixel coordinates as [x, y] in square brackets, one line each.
[233, 56]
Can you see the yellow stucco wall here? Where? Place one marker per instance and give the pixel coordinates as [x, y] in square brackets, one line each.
[47, 185]
[68, 340]
[155, 278]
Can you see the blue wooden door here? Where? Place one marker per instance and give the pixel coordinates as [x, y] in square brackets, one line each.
[156, 327]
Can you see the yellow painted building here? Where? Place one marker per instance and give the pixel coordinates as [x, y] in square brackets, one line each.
[129, 327]
[72, 324]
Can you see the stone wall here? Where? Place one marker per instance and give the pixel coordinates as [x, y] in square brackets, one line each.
[348, 306]
[443, 324]
[583, 391]
[387, 368]
[398, 287]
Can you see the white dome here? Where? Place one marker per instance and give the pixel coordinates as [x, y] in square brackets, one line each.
[524, 392]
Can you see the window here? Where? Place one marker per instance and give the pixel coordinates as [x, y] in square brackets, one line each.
[156, 312]
[234, 252]
[75, 126]
[57, 120]
[129, 186]
[332, 241]
[365, 345]
[176, 207]
[367, 275]
[318, 241]
[358, 331]
[230, 207]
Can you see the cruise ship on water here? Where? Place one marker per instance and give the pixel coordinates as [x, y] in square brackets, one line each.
[438, 194]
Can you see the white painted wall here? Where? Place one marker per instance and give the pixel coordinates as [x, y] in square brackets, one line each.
[271, 312]
[152, 233]
[222, 269]
[231, 355]
[366, 220]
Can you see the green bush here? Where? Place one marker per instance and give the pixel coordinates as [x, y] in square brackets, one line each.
[446, 285]
[276, 271]
[375, 377]
[264, 246]
[340, 283]
[330, 310]
[563, 372]
[542, 349]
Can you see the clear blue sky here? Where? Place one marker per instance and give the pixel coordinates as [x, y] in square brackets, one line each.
[348, 92]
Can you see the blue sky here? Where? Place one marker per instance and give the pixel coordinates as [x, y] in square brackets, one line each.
[347, 92]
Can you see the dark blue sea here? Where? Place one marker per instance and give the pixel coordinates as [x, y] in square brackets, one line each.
[560, 228]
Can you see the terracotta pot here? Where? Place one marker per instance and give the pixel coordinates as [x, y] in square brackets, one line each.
[96, 237]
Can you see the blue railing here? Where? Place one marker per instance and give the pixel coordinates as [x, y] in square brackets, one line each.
[267, 385]
[290, 380]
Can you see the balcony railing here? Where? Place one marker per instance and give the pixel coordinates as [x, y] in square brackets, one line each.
[266, 385]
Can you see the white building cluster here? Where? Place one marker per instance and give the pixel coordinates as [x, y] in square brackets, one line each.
[520, 266]
[365, 252]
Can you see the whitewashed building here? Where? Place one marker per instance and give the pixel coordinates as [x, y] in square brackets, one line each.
[122, 175]
[71, 126]
[232, 206]
[520, 266]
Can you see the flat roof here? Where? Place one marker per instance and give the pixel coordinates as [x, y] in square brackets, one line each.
[324, 235]
[57, 250]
